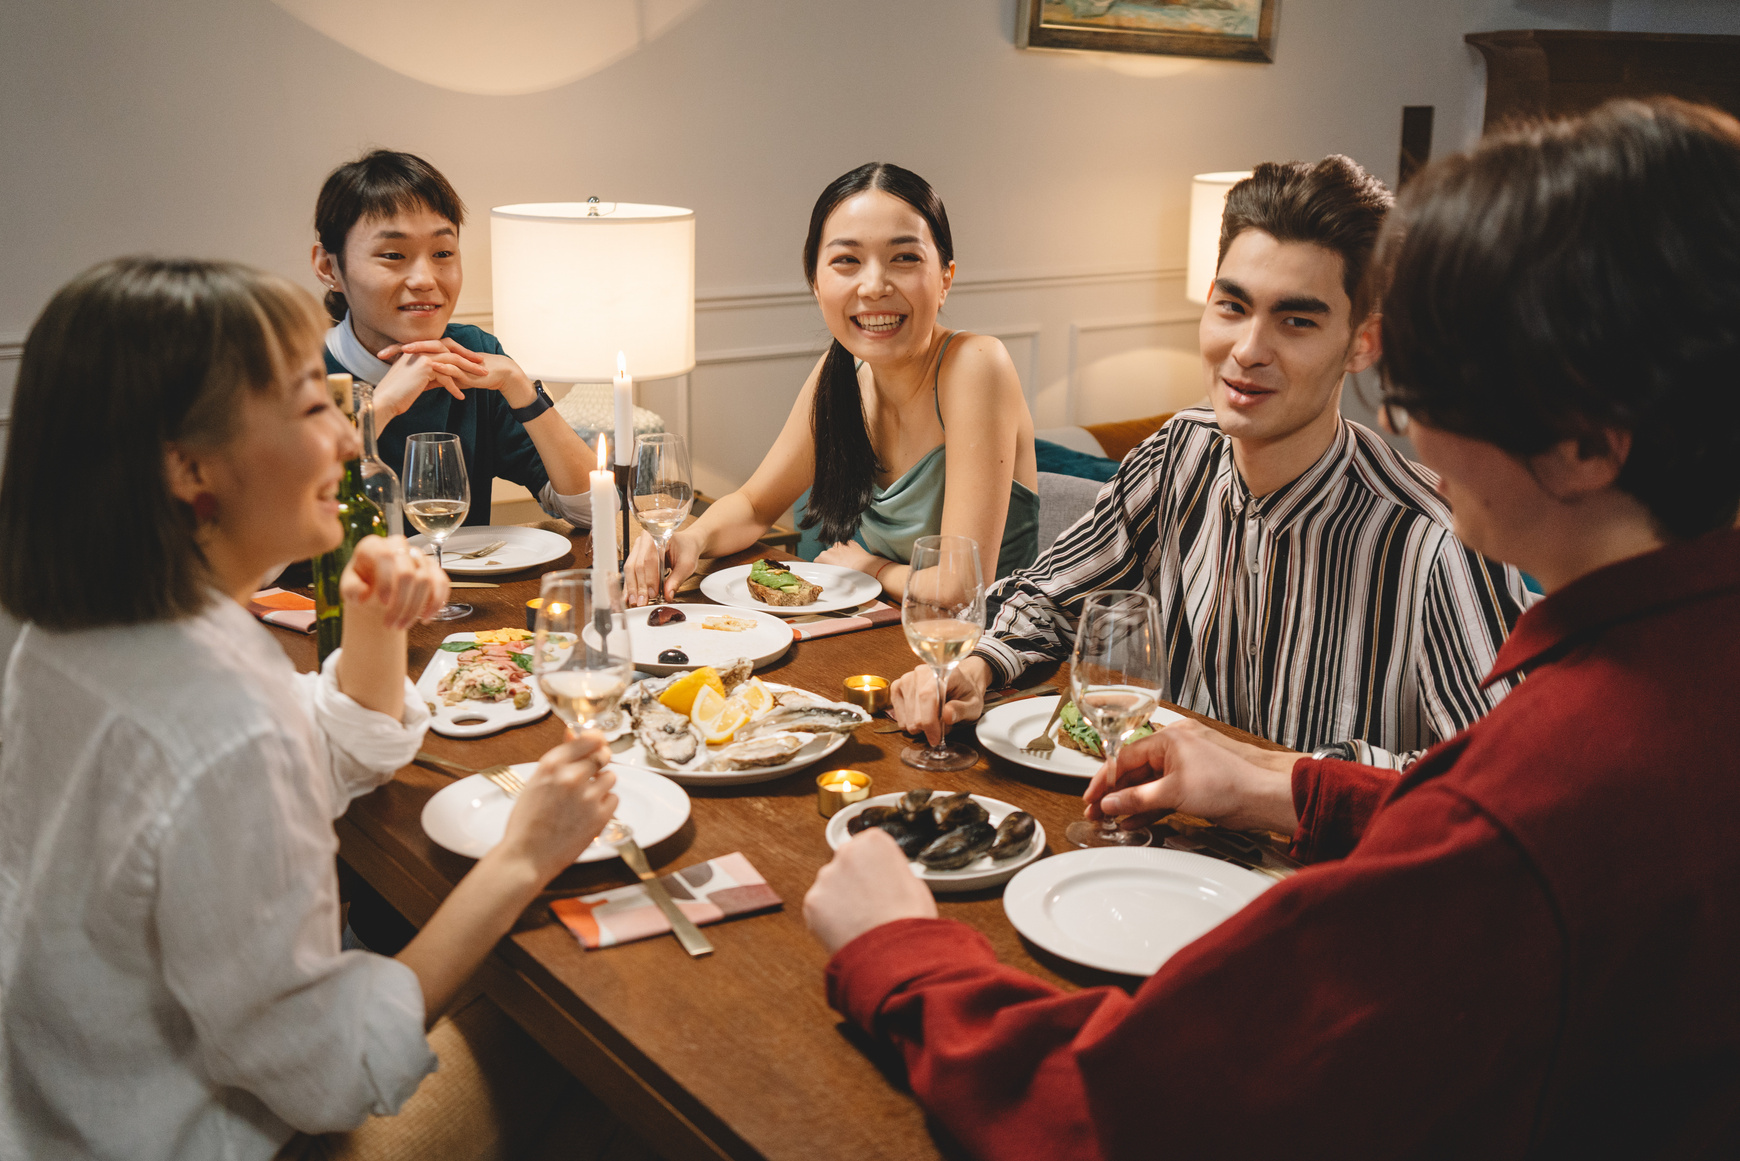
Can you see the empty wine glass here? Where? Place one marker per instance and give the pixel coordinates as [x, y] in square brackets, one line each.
[580, 648]
[663, 490]
[943, 614]
[1114, 676]
[437, 496]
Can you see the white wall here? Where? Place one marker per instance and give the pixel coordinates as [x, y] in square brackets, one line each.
[205, 127]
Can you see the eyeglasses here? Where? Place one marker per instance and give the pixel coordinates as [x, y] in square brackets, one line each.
[1394, 417]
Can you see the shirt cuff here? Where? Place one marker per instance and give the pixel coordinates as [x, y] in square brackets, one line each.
[1006, 664]
[1367, 754]
[397, 1055]
[371, 738]
[1334, 801]
[884, 960]
[576, 510]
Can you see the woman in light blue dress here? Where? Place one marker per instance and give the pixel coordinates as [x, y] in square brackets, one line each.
[903, 429]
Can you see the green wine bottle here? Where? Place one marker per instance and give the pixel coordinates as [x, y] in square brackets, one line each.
[359, 517]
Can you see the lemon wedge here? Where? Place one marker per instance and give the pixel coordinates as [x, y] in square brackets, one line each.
[718, 717]
[756, 696]
[681, 694]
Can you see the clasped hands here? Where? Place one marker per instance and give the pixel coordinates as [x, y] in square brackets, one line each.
[1185, 766]
[442, 364]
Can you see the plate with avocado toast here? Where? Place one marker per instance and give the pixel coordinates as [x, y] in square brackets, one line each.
[791, 588]
[1005, 729]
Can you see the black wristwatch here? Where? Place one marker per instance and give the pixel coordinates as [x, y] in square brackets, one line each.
[537, 406]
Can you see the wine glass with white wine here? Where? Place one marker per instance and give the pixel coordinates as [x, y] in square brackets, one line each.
[437, 493]
[663, 490]
[1114, 676]
[943, 613]
[581, 655]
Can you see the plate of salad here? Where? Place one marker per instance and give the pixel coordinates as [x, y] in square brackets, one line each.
[839, 588]
[478, 683]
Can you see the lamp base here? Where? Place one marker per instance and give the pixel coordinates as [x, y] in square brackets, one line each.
[590, 409]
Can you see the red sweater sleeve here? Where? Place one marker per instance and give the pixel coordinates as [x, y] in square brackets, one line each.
[1400, 1002]
[1334, 801]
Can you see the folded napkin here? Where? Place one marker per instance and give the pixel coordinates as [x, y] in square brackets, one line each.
[867, 617]
[283, 608]
[706, 892]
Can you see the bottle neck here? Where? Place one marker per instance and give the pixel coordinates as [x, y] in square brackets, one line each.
[365, 422]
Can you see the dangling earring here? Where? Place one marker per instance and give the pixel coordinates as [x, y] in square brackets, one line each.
[204, 508]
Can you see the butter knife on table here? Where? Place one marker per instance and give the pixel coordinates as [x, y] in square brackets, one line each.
[681, 925]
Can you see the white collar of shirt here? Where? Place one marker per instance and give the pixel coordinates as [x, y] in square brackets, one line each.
[341, 340]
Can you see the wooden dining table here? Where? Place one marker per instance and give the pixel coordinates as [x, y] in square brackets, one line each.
[735, 1055]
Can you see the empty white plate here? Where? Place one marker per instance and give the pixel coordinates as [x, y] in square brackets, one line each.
[1126, 909]
[469, 816]
[525, 548]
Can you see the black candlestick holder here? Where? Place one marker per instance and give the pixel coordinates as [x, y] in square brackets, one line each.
[624, 506]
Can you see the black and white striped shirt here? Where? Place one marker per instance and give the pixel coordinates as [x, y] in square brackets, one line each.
[1337, 608]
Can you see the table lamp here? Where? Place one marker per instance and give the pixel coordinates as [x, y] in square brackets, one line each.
[594, 294]
[1207, 203]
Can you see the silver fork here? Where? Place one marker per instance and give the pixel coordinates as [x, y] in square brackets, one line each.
[1043, 745]
[615, 831]
[475, 553]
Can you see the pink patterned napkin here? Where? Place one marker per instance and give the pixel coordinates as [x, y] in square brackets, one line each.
[283, 608]
[868, 617]
[706, 892]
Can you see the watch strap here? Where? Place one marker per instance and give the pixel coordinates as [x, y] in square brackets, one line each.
[537, 406]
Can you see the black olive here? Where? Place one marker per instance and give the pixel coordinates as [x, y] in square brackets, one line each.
[673, 657]
[665, 615]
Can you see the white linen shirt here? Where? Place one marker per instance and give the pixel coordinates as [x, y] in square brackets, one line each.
[171, 983]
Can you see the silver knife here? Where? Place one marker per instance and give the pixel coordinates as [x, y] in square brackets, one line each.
[681, 925]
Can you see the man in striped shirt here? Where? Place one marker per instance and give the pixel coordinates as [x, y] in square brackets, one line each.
[1309, 585]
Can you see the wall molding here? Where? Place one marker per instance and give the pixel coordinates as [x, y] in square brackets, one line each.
[798, 294]
[1072, 386]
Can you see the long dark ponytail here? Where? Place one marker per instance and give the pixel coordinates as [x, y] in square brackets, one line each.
[846, 463]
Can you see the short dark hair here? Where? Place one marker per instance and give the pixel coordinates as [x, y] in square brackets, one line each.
[1334, 203]
[377, 185]
[846, 463]
[1572, 276]
[127, 358]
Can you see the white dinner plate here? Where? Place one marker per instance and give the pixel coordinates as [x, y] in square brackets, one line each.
[1126, 909]
[473, 719]
[982, 872]
[842, 588]
[469, 816]
[525, 548]
[1003, 730]
[763, 644]
[818, 747]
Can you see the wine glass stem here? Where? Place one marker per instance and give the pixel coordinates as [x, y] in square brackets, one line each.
[437, 554]
[1112, 745]
[942, 689]
[660, 542]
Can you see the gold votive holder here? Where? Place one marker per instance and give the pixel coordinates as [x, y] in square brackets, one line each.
[532, 607]
[838, 789]
[868, 692]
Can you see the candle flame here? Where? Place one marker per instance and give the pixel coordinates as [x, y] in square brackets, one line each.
[602, 449]
[621, 363]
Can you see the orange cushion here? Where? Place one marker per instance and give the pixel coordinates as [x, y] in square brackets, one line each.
[1119, 438]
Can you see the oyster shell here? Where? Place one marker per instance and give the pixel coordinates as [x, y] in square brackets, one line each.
[1014, 835]
[813, 719]
[770, 750]
[667, 737]
[734, 673]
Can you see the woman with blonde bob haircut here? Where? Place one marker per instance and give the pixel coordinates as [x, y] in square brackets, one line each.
[171, 979]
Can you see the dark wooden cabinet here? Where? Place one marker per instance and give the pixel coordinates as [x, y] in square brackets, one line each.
[1538, 72]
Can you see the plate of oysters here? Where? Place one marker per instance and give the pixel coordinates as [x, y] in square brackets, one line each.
[720, 725]
[953, 842]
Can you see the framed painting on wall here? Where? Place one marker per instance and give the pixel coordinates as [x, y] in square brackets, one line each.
[1223, 29]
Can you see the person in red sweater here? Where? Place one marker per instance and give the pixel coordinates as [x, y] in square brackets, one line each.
[1526, 945]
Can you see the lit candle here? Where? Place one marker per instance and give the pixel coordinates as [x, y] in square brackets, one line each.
[603, 484]
[868, 691]
[624, 412]
[838, 789]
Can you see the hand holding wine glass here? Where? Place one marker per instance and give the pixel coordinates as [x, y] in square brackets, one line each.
[943, 613]
[664, 492]
[1114, 677]
[437, 496]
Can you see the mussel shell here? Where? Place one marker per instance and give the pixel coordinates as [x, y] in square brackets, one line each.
[1014, 835]
[914, 801]
[869, 817]
[953, 811]
[958, 847]
[912, 837]
[673, 657]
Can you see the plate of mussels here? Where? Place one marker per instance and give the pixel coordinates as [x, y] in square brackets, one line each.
[954, 842]
[723, 726]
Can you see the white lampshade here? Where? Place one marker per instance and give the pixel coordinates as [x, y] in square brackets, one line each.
[1207, 203]
[571, 289]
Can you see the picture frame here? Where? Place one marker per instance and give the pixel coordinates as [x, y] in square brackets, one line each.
[1217, 29]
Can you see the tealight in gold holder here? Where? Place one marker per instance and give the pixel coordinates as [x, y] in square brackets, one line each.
[532, 607]
[869, 692]
[838, 789]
